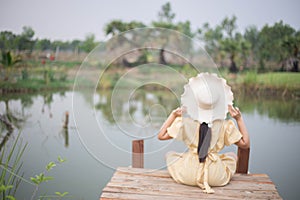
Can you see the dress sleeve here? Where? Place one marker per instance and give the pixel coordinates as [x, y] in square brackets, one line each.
[232, 134]
[176, 129]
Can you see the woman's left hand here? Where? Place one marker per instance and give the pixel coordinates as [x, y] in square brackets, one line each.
[177, 112]
[234, 112]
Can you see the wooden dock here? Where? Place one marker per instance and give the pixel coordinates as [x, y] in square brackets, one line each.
[138, 183]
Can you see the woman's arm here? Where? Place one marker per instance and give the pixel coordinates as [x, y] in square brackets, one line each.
[244, 142]
[163, 135]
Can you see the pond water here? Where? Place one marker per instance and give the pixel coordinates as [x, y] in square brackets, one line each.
[98, 138]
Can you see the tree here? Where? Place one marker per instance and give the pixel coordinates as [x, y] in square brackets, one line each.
[231, 42]
[277, 44]
[291, 44]
[89, 43]
[225, 39]
[8, 61]
[7, 41]
[43, 44]
[212, 38]
[117, 26]
[25, 40]
[245, 52]
[75, 45]
[165, 20]
[251, 35]
[166, 15]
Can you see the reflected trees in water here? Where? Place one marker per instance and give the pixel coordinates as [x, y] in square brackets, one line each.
[140, 104]
[14, 117]
[9, 120]
[278, 108]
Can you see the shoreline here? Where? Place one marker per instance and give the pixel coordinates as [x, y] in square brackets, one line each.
[265, 91]
[236, 89]
[271, 84]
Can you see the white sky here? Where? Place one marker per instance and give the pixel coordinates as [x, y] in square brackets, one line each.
[74, 19]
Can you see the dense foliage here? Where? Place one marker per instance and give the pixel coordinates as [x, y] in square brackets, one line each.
[271, 48]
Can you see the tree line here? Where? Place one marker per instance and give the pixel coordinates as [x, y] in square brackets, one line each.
[271, 48]
[26, 42]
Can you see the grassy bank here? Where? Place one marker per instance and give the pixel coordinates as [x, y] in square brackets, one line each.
[32, 76]
[54, 78]
[272, 83]
[33, 85]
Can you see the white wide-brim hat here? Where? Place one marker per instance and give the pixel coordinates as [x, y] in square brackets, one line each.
[206, 98]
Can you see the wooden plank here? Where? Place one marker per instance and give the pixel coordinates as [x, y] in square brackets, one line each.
[119, 196]
[219, 194]
[144, 172]
[234, 185]
[121, 177]
[134, 183]
[243, 160]
[138, 153]
[165, 173]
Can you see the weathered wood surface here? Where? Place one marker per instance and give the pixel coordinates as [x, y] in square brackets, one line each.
[138, 153]
[137, 183]
[243, 160]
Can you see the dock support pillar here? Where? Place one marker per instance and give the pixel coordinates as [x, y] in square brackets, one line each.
[243, 160]
[138, 153]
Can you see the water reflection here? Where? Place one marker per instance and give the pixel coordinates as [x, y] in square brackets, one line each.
[48, 138]
[141, 107]
[10, 118]
[5, 123]
[13, 116]
[278, 108]
[47, 100]
[141, 102]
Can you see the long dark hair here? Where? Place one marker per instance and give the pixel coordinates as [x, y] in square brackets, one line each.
[204, 141]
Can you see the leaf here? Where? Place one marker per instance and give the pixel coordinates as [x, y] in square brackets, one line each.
[3, 187]
[61, 160]
[40, 177]
[10, 197]
[50, 166]
[61, 194]
[34, 180]
[47, 178]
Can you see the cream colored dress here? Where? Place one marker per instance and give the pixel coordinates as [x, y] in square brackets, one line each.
[217, 169]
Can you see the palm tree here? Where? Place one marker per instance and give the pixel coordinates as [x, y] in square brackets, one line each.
[8, 61]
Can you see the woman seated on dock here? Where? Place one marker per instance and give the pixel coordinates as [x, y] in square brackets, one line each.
[200, 123]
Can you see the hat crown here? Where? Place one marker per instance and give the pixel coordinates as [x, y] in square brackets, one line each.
[204, 89]
[206, 97]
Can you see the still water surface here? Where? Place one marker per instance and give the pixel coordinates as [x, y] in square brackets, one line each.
[96, 142]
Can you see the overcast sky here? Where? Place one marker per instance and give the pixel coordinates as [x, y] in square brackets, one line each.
[74, 19]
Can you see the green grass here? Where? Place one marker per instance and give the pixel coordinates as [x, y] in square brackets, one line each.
[279, 80]
[272, 80]
[56, 63]
[36, 85]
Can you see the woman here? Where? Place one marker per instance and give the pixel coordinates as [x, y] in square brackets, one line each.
[203, 128]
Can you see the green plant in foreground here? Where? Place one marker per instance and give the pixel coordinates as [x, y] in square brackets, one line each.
[9, 179]
[41, 178]
[10, 163]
